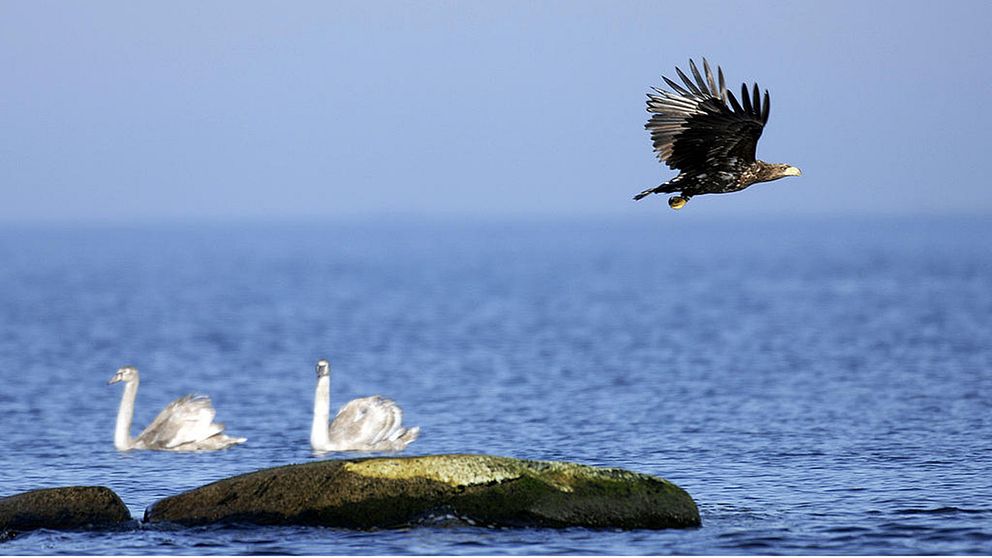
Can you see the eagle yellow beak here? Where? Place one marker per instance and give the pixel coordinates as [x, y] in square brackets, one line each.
[792, 171]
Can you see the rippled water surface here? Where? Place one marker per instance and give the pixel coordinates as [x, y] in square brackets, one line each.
[818, 387]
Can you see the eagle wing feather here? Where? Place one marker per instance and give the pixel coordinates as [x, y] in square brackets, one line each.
[700, 125]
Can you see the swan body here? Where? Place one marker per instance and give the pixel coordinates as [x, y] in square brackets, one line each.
[186, 424]
[366, 424]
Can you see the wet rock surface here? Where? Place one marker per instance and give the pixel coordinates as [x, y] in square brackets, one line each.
[70, 507]
[397, 491]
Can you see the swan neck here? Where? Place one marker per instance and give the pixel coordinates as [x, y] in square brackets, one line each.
[321, 412]
[122, 432]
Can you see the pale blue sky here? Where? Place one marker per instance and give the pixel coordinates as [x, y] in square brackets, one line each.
[123, 111]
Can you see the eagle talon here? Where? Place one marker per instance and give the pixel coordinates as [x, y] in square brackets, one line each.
[677, 202]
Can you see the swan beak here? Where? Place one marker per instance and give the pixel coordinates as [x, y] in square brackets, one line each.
[114, 380]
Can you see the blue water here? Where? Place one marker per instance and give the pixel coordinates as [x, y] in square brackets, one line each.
[818, 386]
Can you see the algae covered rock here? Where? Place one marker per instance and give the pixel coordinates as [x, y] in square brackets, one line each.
[395, 491]
[69, 507]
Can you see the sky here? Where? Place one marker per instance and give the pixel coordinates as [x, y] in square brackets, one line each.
[164, 111]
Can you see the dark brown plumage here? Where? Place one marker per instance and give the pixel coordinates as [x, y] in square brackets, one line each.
[701, 130]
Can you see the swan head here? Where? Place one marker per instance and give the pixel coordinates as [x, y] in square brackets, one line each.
[323, 368]
[124, 374]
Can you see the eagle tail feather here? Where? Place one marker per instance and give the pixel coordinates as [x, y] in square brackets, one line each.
[666, 188]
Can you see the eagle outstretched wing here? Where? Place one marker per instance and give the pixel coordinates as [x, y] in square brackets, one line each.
[702, 126]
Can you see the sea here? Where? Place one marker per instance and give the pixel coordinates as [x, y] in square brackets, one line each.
[819, 385]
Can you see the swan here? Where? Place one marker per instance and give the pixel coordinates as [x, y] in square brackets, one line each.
[367, 424]
[186, 424]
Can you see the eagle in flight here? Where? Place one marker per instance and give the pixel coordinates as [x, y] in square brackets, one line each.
[701, 130]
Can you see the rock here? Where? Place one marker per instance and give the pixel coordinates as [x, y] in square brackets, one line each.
[396, 491]
[67, 507]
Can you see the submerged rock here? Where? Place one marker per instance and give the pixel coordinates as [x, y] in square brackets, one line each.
[395, 491]
[68, 507]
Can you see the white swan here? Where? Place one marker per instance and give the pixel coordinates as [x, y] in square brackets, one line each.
[366, 424]
[186, 424]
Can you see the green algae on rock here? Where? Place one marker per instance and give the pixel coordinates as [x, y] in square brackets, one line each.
[396, 491]
[69, 507]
